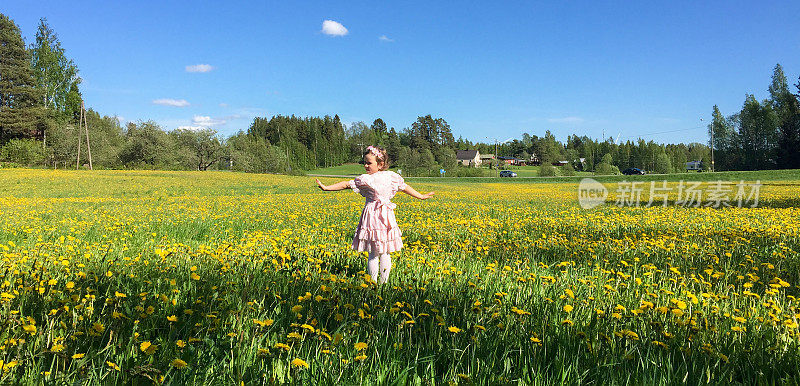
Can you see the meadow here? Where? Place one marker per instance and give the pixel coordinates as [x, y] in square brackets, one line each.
[227, 278]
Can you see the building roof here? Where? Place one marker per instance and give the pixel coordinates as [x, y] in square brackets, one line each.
[466, 154]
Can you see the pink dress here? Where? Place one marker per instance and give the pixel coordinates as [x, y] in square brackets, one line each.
[377, 230]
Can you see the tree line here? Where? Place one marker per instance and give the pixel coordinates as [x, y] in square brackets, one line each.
[762, 135]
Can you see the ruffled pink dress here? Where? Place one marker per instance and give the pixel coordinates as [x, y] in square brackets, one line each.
[377, 231]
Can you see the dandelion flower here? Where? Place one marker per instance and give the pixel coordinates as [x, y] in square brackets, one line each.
[178, 363]
[297, 362]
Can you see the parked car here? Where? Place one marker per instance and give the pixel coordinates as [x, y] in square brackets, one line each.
[632, 171]
[507, 173]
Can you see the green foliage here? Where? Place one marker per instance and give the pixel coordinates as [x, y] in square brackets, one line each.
[604, 169]
[429, 133]
[567, 170]
[308, 142]
[255, 155]
[199, 149]
[758, 134]
[548, 149]
[663, 165]
[546, 170]
[56, 75]
[446, 157]
[23, 151]
[20, 112]
[762, 135]
[147, 146]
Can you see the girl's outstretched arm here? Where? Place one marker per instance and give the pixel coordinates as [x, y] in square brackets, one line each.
[337, 186]
[413, 193]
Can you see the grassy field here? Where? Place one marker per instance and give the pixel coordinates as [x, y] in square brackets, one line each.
[341, 170]
[227, 278]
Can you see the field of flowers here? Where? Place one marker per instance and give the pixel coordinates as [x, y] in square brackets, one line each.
[227, 278]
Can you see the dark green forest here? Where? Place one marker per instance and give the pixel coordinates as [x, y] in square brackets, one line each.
[40, 110]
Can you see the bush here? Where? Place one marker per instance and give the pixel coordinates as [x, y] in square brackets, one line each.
[567, 170]
[547, 171]
[23, 151]
[606, 169]
[662, 165]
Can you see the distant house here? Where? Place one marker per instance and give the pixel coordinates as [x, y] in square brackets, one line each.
[578, 163]
[534, 160]
[694, 166]
[487, 158]
[469, 157]
[508, 160]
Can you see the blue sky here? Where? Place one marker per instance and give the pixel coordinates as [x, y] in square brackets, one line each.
[491, 69]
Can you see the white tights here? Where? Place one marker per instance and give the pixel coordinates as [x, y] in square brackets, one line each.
[379, 263]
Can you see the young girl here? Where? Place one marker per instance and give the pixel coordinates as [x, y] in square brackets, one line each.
[377, 232]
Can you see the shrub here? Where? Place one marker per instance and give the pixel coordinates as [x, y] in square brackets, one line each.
[606, 169]
[567, 170]
[23, 151]
[547, 171]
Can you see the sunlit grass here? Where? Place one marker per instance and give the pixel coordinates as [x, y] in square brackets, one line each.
[227, 278]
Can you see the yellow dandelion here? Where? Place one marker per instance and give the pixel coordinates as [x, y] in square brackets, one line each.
[147, 347]
[297, 362]
[178, 363]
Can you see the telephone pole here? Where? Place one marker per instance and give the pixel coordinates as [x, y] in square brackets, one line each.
[82, 124]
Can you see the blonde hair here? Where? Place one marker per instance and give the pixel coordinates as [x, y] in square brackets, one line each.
[380, 156]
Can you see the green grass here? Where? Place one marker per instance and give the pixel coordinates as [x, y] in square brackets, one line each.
[656, 295]
[764, 175]
[341, 170]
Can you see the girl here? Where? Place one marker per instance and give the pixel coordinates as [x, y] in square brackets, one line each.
[377, 232]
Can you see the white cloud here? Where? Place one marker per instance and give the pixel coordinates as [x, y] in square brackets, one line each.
[572, 120]
[171, 102]
[206, 121]
[199, 68]
[384, 38]
[332, 28]
[223, 104]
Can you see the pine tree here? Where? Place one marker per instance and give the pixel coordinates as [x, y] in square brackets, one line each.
[20, 115]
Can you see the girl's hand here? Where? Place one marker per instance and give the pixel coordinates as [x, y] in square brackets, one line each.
[426, 196]
[334, 187]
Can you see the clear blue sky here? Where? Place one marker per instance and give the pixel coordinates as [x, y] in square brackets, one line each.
[493, 69]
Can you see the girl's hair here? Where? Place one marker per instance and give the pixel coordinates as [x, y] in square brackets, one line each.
[380, 156]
